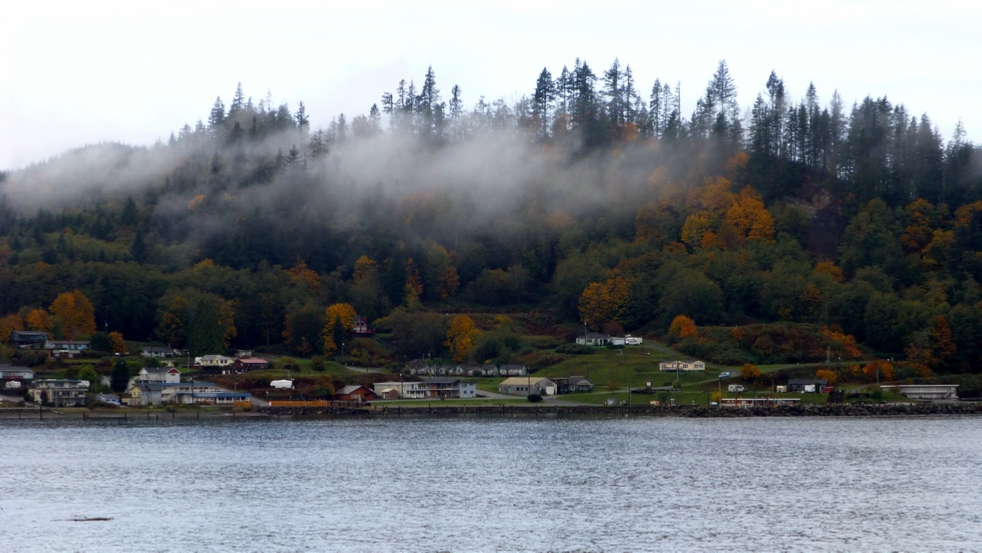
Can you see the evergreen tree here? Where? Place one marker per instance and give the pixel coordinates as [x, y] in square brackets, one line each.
[119, 378]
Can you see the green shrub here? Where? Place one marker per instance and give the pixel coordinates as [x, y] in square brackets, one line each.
[575, 349]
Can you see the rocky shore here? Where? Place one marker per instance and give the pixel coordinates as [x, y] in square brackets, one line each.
[699, 411]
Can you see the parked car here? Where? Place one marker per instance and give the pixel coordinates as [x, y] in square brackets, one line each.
[735, 388]
[724, 375]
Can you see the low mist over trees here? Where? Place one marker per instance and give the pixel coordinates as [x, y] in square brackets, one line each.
[592, 199]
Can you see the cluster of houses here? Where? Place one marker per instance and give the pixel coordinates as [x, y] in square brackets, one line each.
[422, 368]
[596, 339]
[65, 349]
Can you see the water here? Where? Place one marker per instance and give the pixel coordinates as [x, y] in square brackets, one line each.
[493, 485]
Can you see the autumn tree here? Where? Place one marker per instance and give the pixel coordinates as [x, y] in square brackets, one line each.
[38, 319]
[117, 343]
[76, 312]
[748, 217]
[884, 368]
[338, 319]
[461, 337]
[826, 374]
[604, 301]
[682, 326]
[304, 275]
[749, 372]
[8, 324]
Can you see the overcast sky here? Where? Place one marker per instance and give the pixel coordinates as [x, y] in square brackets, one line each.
[78, 73]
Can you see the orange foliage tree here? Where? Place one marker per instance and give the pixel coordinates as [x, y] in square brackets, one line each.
[76, 312]
[829, 268]
[8, 324]
[116, 339]
[748, 216]
[604, 301]
[461, 337]
[304, 275]
[682, 326]
[749, 372]
[38, 319]
[883, 368]
[826, 374]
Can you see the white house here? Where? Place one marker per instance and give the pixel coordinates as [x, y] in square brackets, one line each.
[404, 390]
[688, 365]
[926, 391]
[518, 386]
[158, 352]
[213, 361]
[62, 393]
[159, 374]
[593, 339]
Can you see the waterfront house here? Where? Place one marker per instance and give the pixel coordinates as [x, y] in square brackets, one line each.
[448, 388]
[593, 339]
[110, 399]
[807, 385]
[355, 393]
[572, 384]
[159, 374]
[925, 391]
[61, 393]
[145, 393]
[518, 386]
[686, 365]
[403, 390]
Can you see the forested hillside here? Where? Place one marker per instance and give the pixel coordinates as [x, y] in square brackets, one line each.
[590, 201]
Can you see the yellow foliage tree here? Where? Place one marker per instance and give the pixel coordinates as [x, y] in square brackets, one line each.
[461, 337]
[829, 268]
[341, 311]
[682, 327]
[8, 324]
[826, 374]
[38, 319]
[116, 339]
[76, 311]
[695, 228]
[748, 216]
[304, 275]
[880, 366]
[365, 267]
[604, 301]
[749, 372]
[337, 312]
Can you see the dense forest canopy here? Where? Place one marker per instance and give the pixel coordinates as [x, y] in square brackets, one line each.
[591, 200]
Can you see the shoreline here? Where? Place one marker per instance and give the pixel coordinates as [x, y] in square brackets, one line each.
[510, 411]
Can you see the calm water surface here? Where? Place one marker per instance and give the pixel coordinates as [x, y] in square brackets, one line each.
[493, 485]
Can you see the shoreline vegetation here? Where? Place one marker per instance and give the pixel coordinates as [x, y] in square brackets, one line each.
[511, 410]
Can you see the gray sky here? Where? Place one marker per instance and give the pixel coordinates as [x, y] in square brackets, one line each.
[77, 73]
